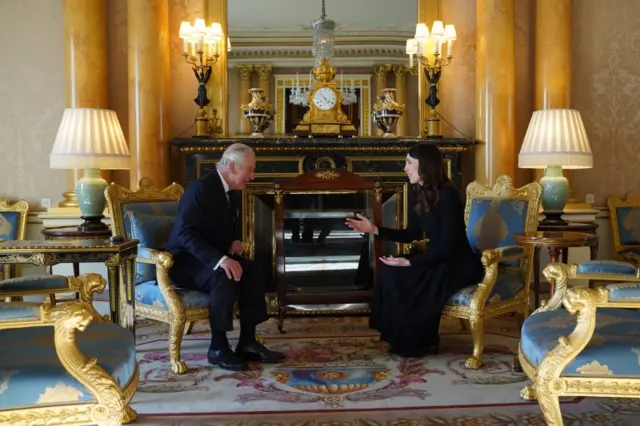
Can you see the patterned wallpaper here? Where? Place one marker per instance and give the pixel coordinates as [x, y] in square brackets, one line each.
[606, 87]
[606, 90]
[32, 94]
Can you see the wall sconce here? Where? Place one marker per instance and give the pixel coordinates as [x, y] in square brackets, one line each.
[428, 47]
[201, 50]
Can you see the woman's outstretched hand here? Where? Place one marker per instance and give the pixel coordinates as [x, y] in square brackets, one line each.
[395, 261]
[361, 224]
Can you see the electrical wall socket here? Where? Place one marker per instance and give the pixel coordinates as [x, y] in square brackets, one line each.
[45, 203]
[590, 198]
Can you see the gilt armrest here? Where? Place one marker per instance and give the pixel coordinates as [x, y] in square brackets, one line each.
[154, 257]
[497, 255]
[85, 285]
[630, 254]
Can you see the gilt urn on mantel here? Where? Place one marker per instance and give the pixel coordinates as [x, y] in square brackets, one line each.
[386, 112]
[258, 112]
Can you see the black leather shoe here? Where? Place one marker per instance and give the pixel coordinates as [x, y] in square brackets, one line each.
[227, 360]
[257, 352]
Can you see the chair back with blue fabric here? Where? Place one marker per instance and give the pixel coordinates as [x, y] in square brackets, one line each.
[145, 215]
[493, 215]
[625, 225]
[13, 226]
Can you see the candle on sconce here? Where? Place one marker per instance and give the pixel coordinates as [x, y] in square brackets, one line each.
[451, 36]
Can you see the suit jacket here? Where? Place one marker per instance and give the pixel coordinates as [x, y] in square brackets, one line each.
[203, 229]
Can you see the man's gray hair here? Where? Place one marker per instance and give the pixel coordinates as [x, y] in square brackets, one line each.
[235, 153]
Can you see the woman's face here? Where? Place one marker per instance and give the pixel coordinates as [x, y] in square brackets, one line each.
[412, 169]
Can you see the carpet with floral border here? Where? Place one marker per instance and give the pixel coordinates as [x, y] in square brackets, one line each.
[337, 372]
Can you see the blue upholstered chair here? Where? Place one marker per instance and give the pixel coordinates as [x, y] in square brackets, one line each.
[589, 348]
[13, 226]
[65, 364]
[493, 215]
[625, 226]
[147, 215]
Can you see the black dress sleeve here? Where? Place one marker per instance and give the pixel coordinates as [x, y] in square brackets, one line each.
[411, 233]
[451, 216]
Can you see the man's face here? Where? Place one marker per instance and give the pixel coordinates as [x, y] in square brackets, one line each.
[243, 172]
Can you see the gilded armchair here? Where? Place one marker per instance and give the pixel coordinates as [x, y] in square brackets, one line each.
[13, 226]
[493, 215]
[147, 215]
[590, 348]
[625, 226]
[65, 364]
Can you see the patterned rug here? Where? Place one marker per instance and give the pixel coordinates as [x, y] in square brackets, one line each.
[337, 372]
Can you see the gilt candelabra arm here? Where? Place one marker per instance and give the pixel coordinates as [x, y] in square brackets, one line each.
[200, 60]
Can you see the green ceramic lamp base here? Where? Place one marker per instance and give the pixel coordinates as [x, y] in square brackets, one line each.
[90, 193]
[555, 193]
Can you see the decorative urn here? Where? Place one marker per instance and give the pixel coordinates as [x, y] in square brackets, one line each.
[258, 112]
[386, 112]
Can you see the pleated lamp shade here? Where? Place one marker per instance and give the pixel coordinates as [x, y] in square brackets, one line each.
[556, 137]
[90, 138]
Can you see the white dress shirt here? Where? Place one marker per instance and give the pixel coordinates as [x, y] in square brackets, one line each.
[225, 185]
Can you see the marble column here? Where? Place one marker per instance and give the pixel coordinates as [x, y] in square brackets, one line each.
[381, 72]
[85, 43]
[552, 57]
[495, 90]
[148, 59]
[428, 11]
[244, 84]
[400, 72]
[218, 87]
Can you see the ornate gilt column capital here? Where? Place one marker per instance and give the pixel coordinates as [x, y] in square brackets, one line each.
[244, 71]
[264, 71]
[381, 70]
[400, 71]
[413, 70]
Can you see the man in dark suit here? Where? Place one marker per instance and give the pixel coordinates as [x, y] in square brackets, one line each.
[207, 258]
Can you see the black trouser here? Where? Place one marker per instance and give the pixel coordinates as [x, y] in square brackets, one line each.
[223, 292]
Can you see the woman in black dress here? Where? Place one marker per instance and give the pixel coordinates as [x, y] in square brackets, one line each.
[412, 291]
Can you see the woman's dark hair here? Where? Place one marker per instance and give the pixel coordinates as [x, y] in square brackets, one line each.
[433, 176]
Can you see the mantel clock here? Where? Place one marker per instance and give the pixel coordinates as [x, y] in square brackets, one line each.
[325, 116]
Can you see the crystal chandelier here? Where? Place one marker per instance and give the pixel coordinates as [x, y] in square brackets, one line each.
[324, 40]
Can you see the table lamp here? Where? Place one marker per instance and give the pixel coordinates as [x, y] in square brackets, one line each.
[555, 140]
[90, 139]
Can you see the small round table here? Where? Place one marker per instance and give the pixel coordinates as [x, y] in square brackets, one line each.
[72, 233]
[556, 243]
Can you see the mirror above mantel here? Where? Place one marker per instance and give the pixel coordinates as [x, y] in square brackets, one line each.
[367, 31]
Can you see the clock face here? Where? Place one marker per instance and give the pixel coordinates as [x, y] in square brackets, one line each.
[325, 98]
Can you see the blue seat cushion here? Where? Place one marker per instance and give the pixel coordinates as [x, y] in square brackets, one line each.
[35, 283]
[149, 293]
[33, 374]
[608, 268]
[614, 345]
[624, 292]
[152, 232]
[507, 286]
[19, 311]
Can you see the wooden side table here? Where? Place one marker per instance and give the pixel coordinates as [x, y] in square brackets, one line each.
[118, 255]
[556, 242]
[73, 233]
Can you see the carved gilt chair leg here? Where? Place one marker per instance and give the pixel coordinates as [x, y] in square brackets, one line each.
[176, 331]
[528, 393]
[188, 327]
[130, 415]
[550, 405]
[464, 323]
[477, 331]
